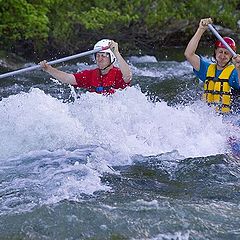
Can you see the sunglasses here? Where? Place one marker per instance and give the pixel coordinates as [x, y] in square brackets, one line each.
[102, 54]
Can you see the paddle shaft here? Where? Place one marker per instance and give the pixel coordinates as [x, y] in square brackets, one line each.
[221, 40]
[53, 62]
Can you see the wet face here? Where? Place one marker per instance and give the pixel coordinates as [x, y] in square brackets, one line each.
[102, 59]
[223, 56]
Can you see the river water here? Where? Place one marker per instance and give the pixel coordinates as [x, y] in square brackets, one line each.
[149, 162]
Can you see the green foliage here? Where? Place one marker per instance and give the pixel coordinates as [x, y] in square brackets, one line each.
[223, 12]
[92, 19]
[97, 18]
[65, 24]
[158, 13]
[21, 20]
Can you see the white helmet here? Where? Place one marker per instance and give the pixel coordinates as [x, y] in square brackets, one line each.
[105, 43]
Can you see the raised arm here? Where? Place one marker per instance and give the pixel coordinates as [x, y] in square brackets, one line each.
[236, 62]
[60, 75]
[124, 67]
[190, 51]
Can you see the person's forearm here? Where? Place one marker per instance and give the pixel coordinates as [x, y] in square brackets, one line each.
[236, 62]
[61, 76]
[124, 67]
[193, 44]
[190, 52]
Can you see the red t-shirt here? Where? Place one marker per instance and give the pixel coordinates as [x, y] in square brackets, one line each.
[95, 82]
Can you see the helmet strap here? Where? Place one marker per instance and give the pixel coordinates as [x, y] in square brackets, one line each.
[215, 61]
[225, 64]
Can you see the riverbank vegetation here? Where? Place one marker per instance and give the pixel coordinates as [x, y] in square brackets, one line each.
[34, 28]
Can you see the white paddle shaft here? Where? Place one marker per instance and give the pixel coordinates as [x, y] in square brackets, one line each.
[221, 40]
[53, 62]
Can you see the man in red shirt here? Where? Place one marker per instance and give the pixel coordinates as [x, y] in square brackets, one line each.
[103, 79]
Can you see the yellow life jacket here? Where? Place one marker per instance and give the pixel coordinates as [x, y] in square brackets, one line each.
[218, 92]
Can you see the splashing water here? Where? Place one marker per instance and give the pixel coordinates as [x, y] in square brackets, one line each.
[127, 122]
[116, 167]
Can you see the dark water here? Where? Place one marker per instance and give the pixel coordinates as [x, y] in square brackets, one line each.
[150, 162]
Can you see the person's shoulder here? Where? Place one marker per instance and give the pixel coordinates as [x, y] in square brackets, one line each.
[117, 71]
[114, 70]
[205, 63]
[205, 60]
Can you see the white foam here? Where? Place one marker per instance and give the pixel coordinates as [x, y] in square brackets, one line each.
[36, 121]
[60, 150]
[143, 59]
[123, 124]
[166, 70]
[171, 236]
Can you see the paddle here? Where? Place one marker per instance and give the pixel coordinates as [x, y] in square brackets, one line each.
[221, 40]
[53, 62]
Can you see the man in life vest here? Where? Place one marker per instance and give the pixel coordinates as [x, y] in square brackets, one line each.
[103, 79]
[221, 78]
